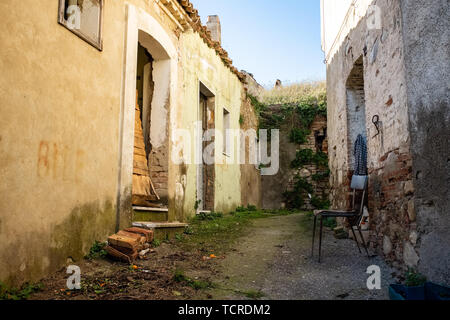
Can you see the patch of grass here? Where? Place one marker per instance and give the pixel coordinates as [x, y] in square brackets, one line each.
[209, 216]
[253, 294]
[296, 93]
[188, 230]
[216, 233]
[250, 208]
[180, 277]
[19, 294]
[97, 251]
[178, 236]
[156, 243]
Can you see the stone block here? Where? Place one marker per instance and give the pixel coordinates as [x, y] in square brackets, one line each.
[125, 242]
[411, 211]
[408, 188]
[413, 236]
[387, 245]
[410, 256]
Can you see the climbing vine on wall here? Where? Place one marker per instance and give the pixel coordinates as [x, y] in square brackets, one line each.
[302, 188]
[298, 116]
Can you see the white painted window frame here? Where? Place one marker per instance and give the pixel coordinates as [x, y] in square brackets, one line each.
[97, 43]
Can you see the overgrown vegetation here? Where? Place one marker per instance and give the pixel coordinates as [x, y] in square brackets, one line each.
[258, 106]
[18, 294]
[308, 156]
[294, 108]
[253, 294]
[215, 233]
[97, 251]
[295, 93]
[414, 278]
[180, 277]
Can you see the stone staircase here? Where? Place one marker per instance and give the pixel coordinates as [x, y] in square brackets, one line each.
[157, 219]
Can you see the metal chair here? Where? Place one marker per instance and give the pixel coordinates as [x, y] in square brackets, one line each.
[359, 183]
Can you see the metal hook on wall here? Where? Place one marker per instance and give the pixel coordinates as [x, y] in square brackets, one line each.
[376, 122]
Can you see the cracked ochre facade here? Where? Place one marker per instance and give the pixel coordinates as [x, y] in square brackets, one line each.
[393, 69]
[67, 125]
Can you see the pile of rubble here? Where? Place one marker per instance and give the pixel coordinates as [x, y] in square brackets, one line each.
[129, 244]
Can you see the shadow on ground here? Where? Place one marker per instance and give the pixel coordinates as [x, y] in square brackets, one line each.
[274, 262]
[264, 257]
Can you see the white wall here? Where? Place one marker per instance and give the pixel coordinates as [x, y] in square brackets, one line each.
[338, 18]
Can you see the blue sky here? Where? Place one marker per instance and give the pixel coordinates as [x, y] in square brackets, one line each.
[271, 39]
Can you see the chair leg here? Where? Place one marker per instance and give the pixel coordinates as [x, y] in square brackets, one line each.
[320, 238]
[313, 236]
[363, 241]
[356, 239]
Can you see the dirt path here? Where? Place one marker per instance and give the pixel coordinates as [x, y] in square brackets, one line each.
[273, 262]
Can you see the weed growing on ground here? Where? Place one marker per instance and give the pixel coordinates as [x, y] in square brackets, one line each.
[19, 294]
[217, 232]
[209, 216]
[414, 279]
[253, 294]
[180, 277]
[156, 243]
[97, 251]
[178, 236]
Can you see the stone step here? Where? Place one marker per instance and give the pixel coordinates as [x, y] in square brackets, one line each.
[162, 230]
[148, 214]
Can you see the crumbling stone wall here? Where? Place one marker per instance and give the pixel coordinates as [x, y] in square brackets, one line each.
[392, 218]
[316, 141]
[274, 187]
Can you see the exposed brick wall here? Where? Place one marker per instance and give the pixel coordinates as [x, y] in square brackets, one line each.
[159, 171]
[393, 230]
[391, 205]
[321, 188]
[275, 186]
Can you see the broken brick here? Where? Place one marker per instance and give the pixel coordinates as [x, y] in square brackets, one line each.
[125, 242]
[119, 255]
[148, 234]
[141, 239]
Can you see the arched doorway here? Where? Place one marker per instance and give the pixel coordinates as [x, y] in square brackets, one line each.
[356, 108]
[149, 80]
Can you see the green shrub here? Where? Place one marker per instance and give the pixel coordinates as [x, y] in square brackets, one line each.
[209, 216]
[97, 251]
[19, 294]
[414, 279]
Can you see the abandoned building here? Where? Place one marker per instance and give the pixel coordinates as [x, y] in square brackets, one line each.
[387, 79]
[280, 190]
[92, 92]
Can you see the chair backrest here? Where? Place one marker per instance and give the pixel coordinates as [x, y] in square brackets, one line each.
[359, 183]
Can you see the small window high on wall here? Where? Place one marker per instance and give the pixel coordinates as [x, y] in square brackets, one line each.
[83, 18]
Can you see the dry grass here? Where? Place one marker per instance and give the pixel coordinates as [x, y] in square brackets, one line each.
[294, 93]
